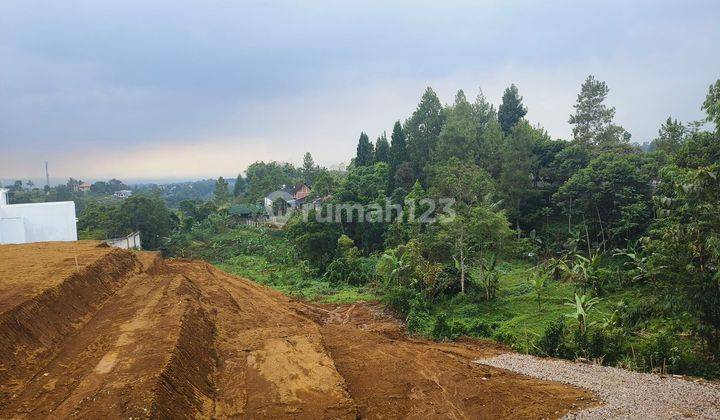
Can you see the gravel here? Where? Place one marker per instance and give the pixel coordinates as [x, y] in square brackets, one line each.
[625, 394]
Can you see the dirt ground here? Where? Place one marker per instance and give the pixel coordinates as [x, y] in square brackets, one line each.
[127, 334]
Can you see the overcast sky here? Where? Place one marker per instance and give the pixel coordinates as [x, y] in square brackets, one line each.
[187, 89]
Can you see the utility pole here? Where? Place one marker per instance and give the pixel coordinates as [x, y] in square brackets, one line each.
[47, 175]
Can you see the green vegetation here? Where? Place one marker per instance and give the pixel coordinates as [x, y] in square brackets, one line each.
[263, 255]
[589, 247]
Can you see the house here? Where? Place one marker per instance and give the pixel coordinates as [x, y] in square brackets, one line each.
[122, 194]
[36, 222]
[84, 187]
[293, 196]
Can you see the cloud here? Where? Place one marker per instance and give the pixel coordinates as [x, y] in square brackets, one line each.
[273, 80]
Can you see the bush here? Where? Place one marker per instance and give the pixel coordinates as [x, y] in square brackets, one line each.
[419, 322]
[552, 340]
[442, 330]
[401, 299]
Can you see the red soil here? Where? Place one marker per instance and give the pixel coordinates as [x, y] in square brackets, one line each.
[126, 334]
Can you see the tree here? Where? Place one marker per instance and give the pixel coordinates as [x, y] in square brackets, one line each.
[98, 221]
[398, 146]
[700, 149]
[685, 246]
[472, 235]
[613, 195]
[592, 122]
[264, 178]
[148, 215]
[483, 111]
[316, 241]
[222, 192]
[116, 185]
[398, 151]
[490, 143]
[464, 182]
[423, 130]
[365, 153]
[324, 183]
[309, 169]
[382, 149]
[458, 138]
[72, 184]
[518, 161]
[511, 109]
[712, 104]
[100, 187]
[239, 187]
[363, 184]
[404, 176]
[670, 137]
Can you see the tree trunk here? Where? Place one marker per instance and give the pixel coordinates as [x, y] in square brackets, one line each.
[602, 231]
[462, 272]
[587, 238]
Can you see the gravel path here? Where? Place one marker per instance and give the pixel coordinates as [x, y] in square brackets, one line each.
[625, 394]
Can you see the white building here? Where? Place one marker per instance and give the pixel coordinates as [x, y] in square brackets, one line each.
[123, 193]
[36, 222]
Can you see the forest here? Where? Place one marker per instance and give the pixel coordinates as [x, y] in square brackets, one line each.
[591, 247]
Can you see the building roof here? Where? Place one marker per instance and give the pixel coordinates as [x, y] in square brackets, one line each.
[294, 188]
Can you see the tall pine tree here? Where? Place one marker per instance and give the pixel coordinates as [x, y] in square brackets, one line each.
[398, 152]
[222, 193]
[365, 154]
[382, 149]
[518, 161]
[309, 169]
[511, 109]
[423, 130]
[239, 187]
[459, 135]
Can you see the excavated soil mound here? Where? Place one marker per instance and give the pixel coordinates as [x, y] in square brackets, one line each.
[126, 334]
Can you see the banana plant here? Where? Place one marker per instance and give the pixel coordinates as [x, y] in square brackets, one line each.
[581, 305]
[537, 281]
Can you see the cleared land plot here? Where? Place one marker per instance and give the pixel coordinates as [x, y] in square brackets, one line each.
[131, 335]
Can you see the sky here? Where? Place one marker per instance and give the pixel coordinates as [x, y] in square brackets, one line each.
[176, 89]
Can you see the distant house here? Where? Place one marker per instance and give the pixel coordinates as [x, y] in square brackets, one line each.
[293, 196]
[123, 194]
[84, 187]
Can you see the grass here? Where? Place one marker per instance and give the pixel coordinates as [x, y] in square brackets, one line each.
[289, 278]
[515, 317]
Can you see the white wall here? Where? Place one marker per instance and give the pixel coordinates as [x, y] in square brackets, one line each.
[12, 231]
[42, 222]
[132, 241]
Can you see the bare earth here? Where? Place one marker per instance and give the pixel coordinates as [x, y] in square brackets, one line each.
[625, 394]
[127, 334]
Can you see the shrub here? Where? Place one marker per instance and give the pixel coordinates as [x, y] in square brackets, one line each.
[552, 340]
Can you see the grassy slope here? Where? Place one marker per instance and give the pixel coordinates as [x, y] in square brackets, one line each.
[514, 315]
[290, 280]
